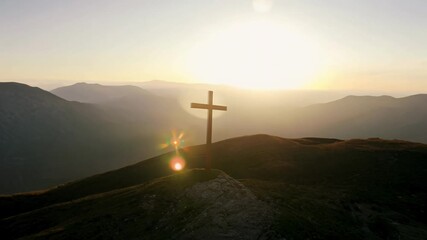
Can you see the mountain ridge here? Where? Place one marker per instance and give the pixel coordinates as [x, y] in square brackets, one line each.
[40, 131]
[96, 93]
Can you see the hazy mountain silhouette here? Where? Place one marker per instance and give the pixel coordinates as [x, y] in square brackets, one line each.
[365, 116]
[147, 112]
[297, 113]
[272, 97]
[96, 93]
[251, 111]
[290, 113]
[47, 140]
[311, 188]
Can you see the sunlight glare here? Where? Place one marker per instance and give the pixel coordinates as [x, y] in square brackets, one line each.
[262, 6]
[257, 54]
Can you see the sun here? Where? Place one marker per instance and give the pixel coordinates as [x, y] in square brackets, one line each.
[255, 54]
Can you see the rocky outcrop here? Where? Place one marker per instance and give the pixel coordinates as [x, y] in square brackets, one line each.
[228, 210]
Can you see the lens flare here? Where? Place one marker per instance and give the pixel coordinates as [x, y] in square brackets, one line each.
[178, 166]
[175, 141]
[177, 163]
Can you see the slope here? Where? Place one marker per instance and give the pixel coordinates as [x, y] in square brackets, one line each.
[189, 205]
[321, 188]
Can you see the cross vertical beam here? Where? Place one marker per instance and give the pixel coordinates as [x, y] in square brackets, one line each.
[209, 131]
[210, 107]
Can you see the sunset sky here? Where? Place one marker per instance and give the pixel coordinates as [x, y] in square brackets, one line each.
[310, 44]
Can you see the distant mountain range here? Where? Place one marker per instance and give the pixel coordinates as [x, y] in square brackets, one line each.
[96, 93]
[364, 116]
[267, 188]
[39, 132]
[289, 113]
[46, 140]
[89, 128]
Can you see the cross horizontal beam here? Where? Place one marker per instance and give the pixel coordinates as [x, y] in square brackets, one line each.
[208, 106]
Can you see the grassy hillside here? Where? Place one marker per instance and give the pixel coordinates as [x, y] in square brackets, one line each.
[321, 188]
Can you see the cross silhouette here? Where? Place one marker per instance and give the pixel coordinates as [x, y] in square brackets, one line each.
[210, 107]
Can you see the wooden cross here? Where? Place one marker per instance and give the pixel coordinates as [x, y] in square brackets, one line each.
[210, 107]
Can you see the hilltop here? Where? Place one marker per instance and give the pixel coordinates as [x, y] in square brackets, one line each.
[318, 188]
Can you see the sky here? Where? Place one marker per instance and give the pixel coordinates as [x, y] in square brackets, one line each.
[375, 45]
